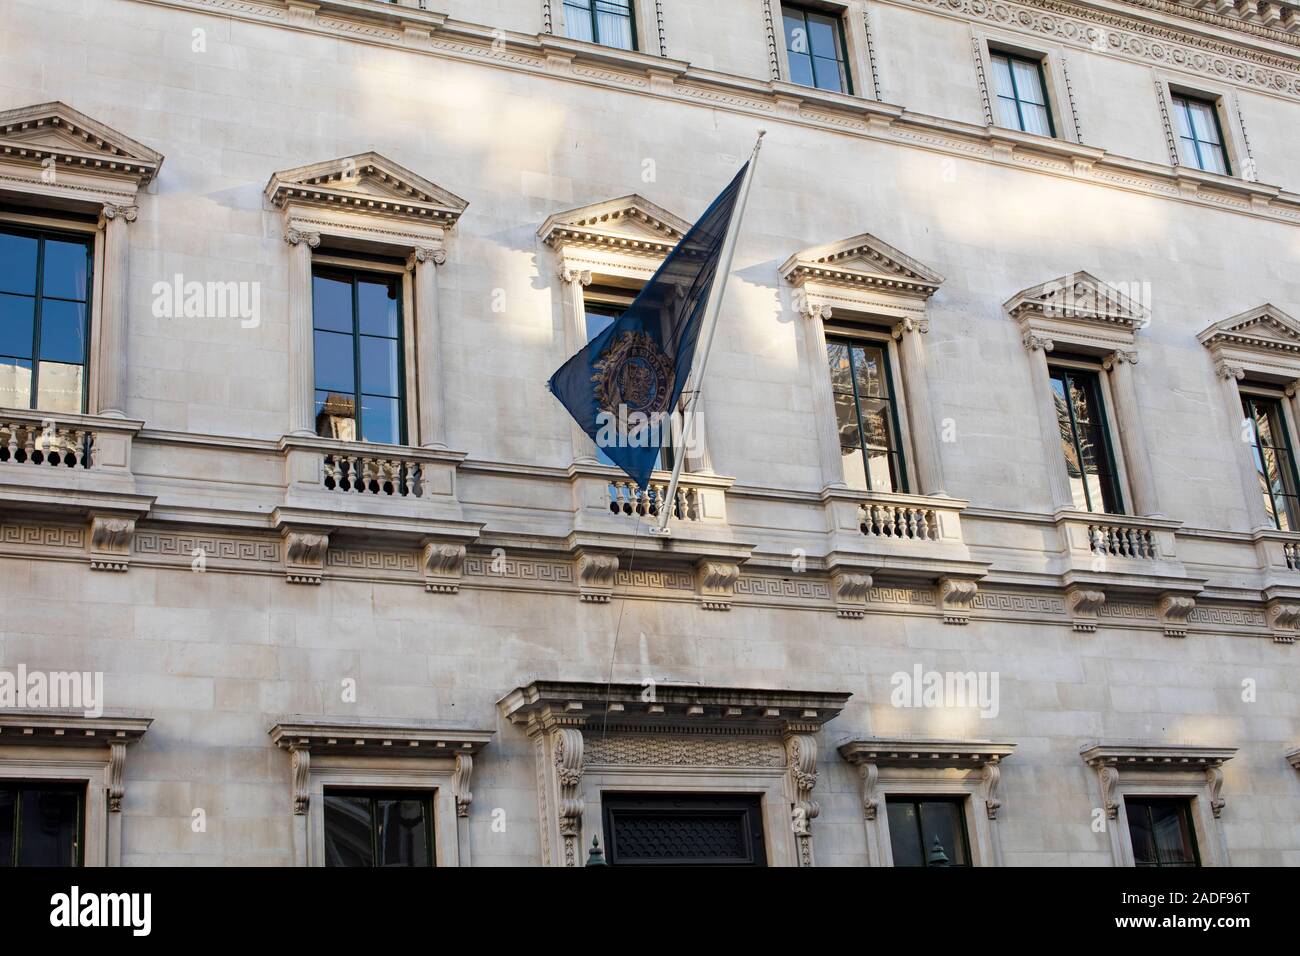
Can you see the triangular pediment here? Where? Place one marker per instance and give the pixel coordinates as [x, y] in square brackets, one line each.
[862, 260]
[647, 227]
[73, 139]
[1079, 296]
[1265, 329]
[366, 183]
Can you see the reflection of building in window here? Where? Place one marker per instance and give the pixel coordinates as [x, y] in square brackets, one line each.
[367, 828]
[1274, 462]
[865, 416]
[1085, 440]
[336, 417]
[44, 319]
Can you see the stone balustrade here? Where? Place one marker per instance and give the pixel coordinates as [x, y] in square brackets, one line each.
[40, 440]
[907, 522]
[1122, 541]
[628, 498]
[368, 475]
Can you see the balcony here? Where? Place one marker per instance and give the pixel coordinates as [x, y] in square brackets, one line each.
[71, 464]
[1122, 551]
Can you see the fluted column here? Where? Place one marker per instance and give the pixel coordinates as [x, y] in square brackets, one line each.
[1058, 480]
[424, 262]
[1132, 433]
[920, 413]
[302, 384]
[575, 337]
[823, 397]
[1228, 376]
[110, 373]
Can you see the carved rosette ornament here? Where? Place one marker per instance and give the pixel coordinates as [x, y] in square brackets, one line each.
[442, 564]
[566, 743]
[801, 750]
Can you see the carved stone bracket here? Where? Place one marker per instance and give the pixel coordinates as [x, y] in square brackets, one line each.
[566, 746]
[1084, 603]
[301, 773]
[870, 774]
[1214, 780]
[305, 556]
[956, 595]
[1108, 780]
[50, 728]
[1283, 619]
[851, 590]
[442, 564]
[715, 582]
[116, 775]
[871, 754]
[1108, 758]
[990, 781]
[801, 750]
[1174, 612]
[110, 542]
[460, 784]
[596, 576]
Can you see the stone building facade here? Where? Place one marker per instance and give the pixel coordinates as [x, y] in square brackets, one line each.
[1048, 615]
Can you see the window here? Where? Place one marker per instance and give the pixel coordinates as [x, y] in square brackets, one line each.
[927, 831]
[602, 308]
[357, 335]
[1200, 136]
[683, 830]
[815, 49]
[1021, 94]
[865, 414]
[607, 22]
[377, 828]
[1274, 463]
[1085, 439]
[41, 824]
[1162, 832]
[44, 319]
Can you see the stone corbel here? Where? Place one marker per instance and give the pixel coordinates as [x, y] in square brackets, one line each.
[715, 582]
[1108, 778]
[442, 564]
[460, 784]
[1282, 620]
[870, 774]
[1174, 612]
[116, 775]
[801, 751]
[567, 744]
[956, 595]
[1214, 780]
[305, 556]
[1084, 603]
[110, 542]
[990, 782]
[301, 774]
[596, 576]
[851, 589]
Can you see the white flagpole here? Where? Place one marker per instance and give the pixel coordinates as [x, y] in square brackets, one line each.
[711, 312]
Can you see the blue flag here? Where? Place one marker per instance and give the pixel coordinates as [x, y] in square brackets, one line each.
[623, 387]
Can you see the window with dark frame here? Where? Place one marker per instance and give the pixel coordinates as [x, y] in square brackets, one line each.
[816, 48]
[1161, 831]
[1020, 87]
[607, 22]
[45, 282]
[866, 414]
[359, 355]
[683, 829]
[602, 308]
[1085, 440]
[928, 831]
[1270, 444]
[366, 828]
[42, 823]
[1200, 134]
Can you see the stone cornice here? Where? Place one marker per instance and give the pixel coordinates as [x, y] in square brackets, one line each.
[1150, 755]
[1265, 329]
[932, 754]
[542, 705]
[54, 728]
[333, 184]
[862, 262]
[324, 736]
[1253, 68]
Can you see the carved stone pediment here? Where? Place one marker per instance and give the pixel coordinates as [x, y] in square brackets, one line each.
[630, 225]
[366, 184]
[1079, 296]
[862, 262]
[54, 135]
[1264, 339]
